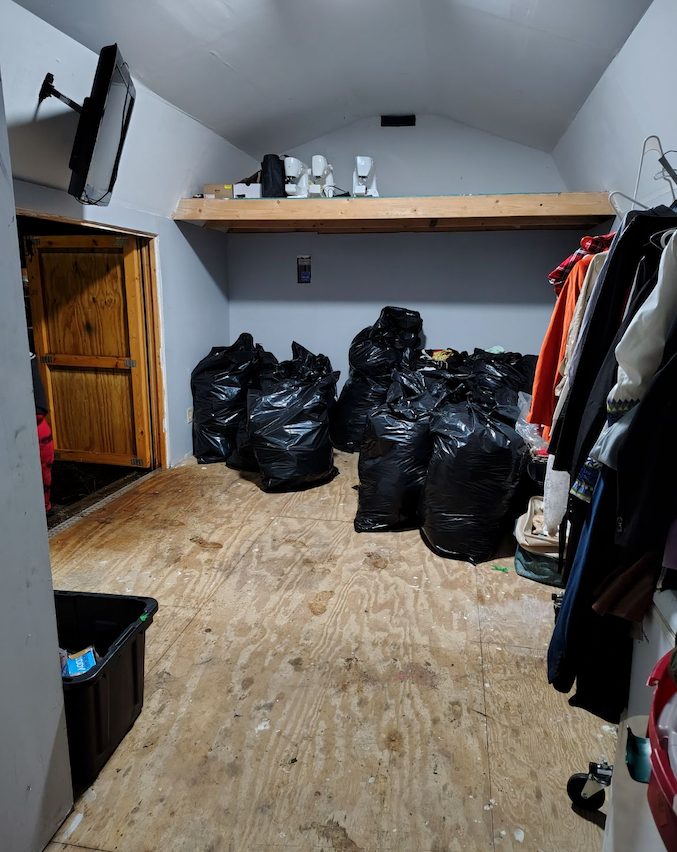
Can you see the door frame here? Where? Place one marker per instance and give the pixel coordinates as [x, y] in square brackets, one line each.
[148, 247]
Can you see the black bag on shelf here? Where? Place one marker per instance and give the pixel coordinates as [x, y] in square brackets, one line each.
[473, 472]
[272, 176]
[392, 342]
[394, 456]
[288, 422]
[220, 383]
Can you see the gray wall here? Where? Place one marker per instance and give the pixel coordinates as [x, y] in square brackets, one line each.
[634, 99]
[436, 157]
[472, 289]
[477, 289]
[35, 790]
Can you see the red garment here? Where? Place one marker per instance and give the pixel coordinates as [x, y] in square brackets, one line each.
[589, 245]
[548, 375]
[46, 457]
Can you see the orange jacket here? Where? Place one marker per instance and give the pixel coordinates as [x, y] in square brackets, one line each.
[554, 346]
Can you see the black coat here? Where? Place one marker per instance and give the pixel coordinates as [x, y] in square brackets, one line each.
[618, 276]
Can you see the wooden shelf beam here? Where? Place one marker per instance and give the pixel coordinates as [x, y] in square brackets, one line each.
[388, 215]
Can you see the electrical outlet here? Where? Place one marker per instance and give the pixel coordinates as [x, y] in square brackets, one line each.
[189, 415]
[303, 269]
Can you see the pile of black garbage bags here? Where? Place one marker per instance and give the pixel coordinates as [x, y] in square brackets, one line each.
[436, 436]
[435, 432]
[260, 415]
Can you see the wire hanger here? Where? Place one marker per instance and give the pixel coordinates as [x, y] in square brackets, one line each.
[667, 173]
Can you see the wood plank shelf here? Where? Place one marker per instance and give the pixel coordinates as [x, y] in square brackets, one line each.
[388, 215]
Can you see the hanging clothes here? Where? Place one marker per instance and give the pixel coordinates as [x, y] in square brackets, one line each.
[552, 353]
[605, 310]
[595, 413]
[640, 353]
[589, 245]
[625, 432]
[594, 271]
[588, 649]
[557, 482]
[646, 461]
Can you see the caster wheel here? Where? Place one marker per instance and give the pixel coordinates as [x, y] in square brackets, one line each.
[575, 789]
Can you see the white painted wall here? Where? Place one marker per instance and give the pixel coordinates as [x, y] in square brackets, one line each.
[472, 289]
[436, 157]
[35, 788]
[477, 289]
[634, 99]
[167, 155]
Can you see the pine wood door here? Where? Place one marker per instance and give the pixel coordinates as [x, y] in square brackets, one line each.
[86, 298]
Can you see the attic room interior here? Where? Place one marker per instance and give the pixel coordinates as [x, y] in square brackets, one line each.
[335, 338]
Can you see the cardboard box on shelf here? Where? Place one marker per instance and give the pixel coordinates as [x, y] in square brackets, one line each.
[218, 190]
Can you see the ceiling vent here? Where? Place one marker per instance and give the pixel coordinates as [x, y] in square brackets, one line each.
[398, 121]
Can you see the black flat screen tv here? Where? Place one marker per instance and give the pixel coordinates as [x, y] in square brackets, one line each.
[102, 129]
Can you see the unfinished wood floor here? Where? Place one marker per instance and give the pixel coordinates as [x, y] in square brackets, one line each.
[308, 688]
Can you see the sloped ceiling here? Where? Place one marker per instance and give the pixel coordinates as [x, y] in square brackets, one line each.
[271, 74]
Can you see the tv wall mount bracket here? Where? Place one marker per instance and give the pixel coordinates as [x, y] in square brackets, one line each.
[48, 91]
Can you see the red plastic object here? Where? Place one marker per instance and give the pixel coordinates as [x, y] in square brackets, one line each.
[663, 784]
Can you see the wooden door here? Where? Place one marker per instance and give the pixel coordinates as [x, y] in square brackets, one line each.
[88, 317]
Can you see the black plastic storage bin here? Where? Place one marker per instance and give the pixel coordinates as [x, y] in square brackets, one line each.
[102, 704]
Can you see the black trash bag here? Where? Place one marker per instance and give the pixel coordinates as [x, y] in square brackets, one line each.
[243, 458]
[447, 372]
[359, 397]
[303, 366]
[394, 456]
[220, 383]
[392, 342]
[472, 475]
[288, 422]
[502, 403]
[491, 370]
[380, 347]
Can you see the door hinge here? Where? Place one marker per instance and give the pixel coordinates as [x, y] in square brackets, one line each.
[30, 243]
[121, 241]
[129, 363]
[137, 462]
[47, 359]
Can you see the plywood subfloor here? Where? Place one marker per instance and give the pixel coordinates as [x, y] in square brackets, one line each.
[308, 688]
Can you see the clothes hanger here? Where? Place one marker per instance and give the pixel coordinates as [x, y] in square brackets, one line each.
[618, 194]
[666, 236]
[661, 239]
[667, 173]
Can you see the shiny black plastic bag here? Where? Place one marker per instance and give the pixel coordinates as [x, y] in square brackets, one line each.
[288, 422]
[379, 348]
[242, 457]
[302, 367]
[392, 342]
[394, 456]
[472, 476]
[220, 383]
[359, 397]
[491, 370]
